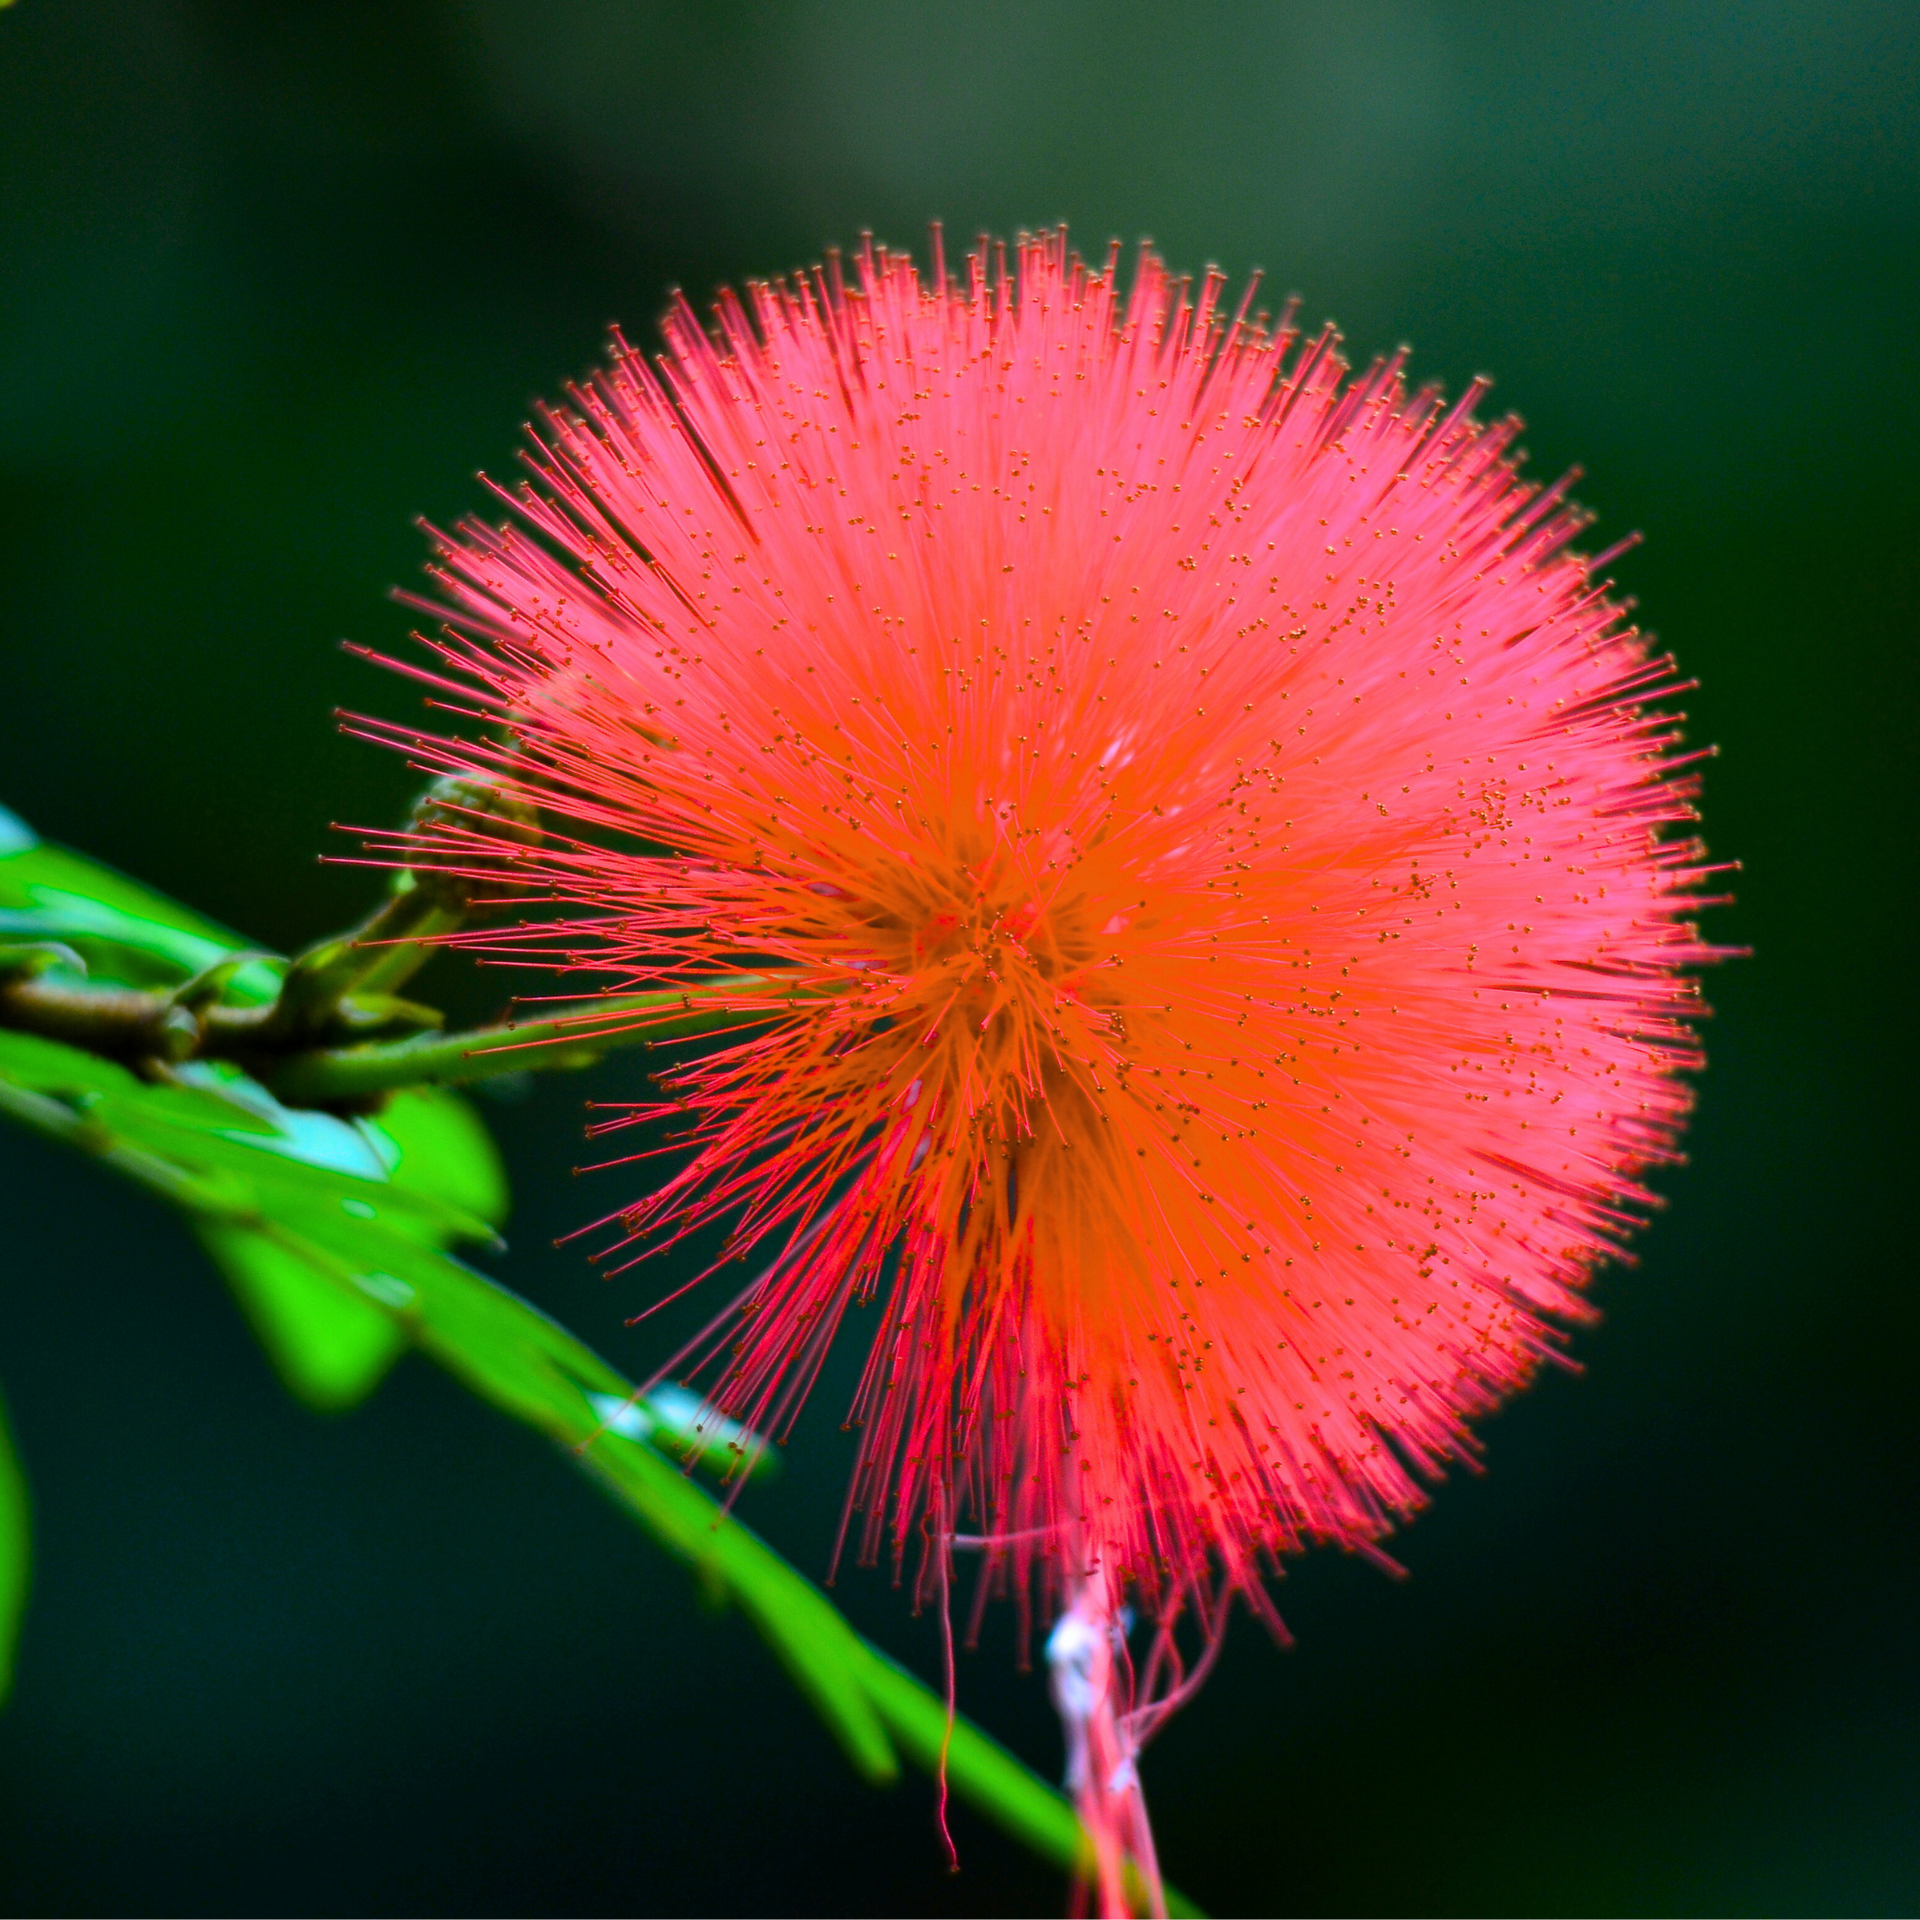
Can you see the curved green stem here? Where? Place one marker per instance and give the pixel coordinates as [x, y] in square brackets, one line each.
[573, 1036]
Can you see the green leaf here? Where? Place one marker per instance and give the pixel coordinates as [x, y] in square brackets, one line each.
[120, 943]
[335, 1235]
[442, 1148]
[15, 1544]
[202, 1138]
[50, 1066]
[330, 1348]
[522, 1362]
[128, 933]
[290, 1205]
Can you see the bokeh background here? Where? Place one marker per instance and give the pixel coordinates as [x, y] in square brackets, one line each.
[279, 277]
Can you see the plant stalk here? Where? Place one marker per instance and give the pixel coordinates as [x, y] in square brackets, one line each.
[574, 1036]
[1091, 1685]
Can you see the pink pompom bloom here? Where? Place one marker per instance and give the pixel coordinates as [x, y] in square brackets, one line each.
[1184, 837]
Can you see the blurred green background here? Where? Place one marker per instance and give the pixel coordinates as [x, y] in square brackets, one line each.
[278, 277]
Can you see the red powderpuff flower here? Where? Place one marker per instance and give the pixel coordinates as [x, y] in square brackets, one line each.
[1200, 830]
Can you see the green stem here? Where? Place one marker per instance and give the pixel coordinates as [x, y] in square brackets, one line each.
[574, 1036]
[119, 1023]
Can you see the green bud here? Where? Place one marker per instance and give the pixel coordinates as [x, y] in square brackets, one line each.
[455, 807]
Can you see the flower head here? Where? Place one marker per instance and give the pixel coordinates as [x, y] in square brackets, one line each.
[1186, 840]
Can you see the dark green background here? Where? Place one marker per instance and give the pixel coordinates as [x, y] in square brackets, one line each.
[279, 276]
